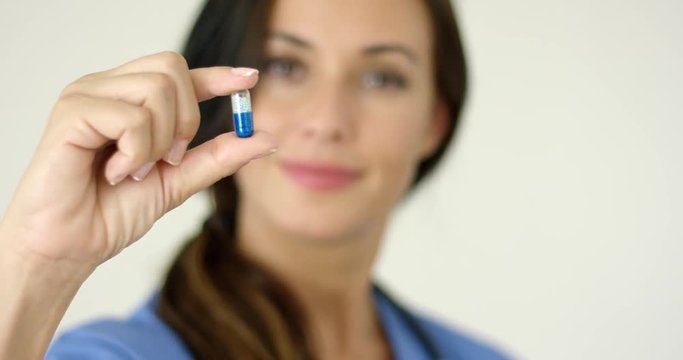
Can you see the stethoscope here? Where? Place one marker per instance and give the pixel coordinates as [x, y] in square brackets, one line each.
[413, 324]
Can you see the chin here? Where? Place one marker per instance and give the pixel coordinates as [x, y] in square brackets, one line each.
[320, 224]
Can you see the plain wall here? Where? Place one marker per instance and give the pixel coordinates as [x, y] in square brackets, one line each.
[553, 228]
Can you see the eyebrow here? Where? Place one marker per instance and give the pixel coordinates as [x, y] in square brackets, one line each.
[389, 49]
[292, 39]
[373, 50]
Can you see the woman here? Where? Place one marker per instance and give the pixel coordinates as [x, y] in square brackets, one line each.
[360, 99]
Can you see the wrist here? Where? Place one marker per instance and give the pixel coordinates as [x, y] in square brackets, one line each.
[18, 258]
[35, 291]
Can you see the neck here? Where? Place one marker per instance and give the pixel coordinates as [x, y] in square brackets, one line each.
[331, 279]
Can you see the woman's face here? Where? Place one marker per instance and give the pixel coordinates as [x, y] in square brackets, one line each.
[349, 92]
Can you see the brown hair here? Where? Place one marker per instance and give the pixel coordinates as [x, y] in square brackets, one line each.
[222, 305]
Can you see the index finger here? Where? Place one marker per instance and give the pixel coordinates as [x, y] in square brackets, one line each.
[221, 81]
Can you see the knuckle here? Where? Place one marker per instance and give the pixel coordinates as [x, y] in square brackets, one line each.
[160, 81]
[140, 151]
[171, 61]
[66, 102]
[157, 153]
[71, 88]
[91, 76]
[139, 156]
[189, 124]
[162, 88]
[139, 117]
[77, 85]
[161, 147]
[68, 99]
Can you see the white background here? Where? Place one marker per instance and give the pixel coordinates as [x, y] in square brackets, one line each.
[554, 228]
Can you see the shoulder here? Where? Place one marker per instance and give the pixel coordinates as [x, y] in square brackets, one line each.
[456, 344]
[141, 336]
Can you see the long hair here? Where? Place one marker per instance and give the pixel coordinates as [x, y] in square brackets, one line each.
[222, 305]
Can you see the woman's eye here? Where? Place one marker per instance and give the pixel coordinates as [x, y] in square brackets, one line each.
[380, 80]
[286, 68]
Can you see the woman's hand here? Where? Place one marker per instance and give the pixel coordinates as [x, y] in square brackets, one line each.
[110, 162]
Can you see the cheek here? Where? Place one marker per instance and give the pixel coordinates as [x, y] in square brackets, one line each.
[267, 119]
[399, 126]
[394, 146]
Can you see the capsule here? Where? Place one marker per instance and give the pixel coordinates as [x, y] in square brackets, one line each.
[241, 113]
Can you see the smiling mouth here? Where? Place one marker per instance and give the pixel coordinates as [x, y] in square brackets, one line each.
[320, 177]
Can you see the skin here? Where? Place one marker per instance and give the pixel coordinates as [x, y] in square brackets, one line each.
[66, 217]
[363, 98]
[82, 200]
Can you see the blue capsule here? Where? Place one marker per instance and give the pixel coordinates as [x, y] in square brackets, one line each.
[241, 113]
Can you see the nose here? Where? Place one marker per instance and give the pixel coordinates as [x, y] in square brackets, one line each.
[329, 115]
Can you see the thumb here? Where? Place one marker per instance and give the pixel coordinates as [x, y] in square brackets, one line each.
[213, 160]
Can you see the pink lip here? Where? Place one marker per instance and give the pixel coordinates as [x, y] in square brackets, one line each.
[320, 176]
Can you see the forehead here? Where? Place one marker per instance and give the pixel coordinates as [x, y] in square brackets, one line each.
[353, 24]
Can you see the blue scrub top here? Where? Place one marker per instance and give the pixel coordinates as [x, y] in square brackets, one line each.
[144, 335]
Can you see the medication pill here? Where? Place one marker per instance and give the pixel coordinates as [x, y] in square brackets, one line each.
[241, 113]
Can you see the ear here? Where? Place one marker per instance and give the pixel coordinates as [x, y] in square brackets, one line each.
[436, 130]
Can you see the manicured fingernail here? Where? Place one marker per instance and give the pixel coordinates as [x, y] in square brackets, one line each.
[175, 155]
[117, 179]
[142, 172]
[242, 71]
[117, 170]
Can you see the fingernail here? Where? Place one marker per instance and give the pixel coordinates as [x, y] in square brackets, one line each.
[117, 179]
[117, 170]
[175, 155]
[142, 172]
[242, 71]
